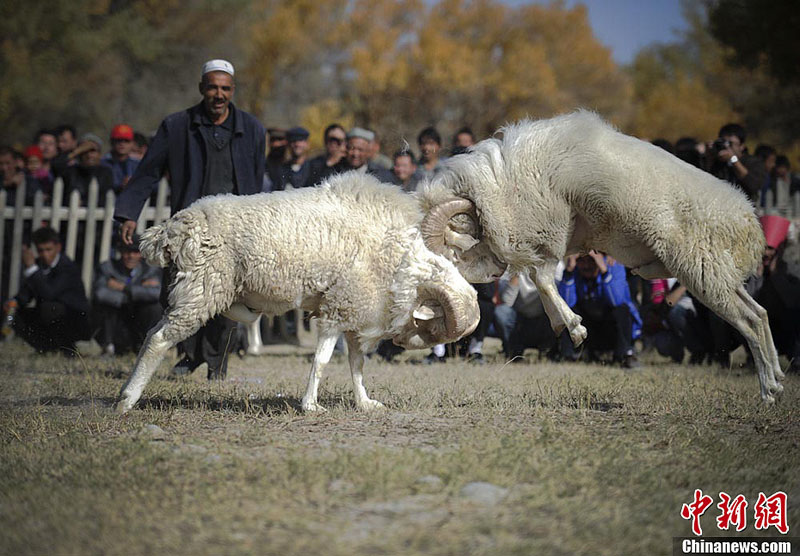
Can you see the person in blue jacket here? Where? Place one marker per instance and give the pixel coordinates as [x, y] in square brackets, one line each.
[596, 289]
[212, 148]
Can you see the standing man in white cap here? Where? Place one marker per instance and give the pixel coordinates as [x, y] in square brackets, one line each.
[210, 148]
[357, 156]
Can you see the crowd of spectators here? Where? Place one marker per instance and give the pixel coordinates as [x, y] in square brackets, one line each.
[52, 310]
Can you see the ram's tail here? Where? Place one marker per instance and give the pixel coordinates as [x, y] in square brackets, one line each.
[176, 240]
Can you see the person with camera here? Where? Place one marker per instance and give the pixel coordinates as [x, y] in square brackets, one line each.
[730, 161]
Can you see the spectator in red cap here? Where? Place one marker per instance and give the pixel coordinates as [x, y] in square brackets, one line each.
[776, 287]
[33, 160]
[38, 169]
[120, 158]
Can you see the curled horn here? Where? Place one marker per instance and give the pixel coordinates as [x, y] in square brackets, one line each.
[457, 317]
[434, 225]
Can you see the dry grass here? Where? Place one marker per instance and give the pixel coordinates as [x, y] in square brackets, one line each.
[596, 460]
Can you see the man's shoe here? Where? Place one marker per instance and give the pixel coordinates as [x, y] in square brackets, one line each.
[183, 367]
[697, 358]
[476, 359]
[630, 362]
[432, 358]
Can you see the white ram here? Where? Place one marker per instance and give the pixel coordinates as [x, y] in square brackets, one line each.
[572, 183]
[350, 251]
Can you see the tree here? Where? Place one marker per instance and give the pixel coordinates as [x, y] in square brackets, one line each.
[97, 62]
[759, 32]
[690, 87]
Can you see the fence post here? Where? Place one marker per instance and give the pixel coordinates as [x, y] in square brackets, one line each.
[108, 228]
[58, 197]
[38, 210]
[72, 223]
[90, 233]
[16, 238]
[3, 195]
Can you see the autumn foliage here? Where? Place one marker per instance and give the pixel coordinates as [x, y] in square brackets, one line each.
[392, 65]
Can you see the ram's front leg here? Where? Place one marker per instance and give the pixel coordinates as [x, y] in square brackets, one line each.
[559, 313]
[159, 340]
[356, 356]
[325, 345]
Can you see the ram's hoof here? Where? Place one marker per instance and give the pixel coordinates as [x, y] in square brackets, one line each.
[122, 406]
[578, 334]
[370, 405]
[313, 407]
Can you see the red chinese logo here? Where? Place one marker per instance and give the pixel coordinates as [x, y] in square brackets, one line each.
[733, 512]
[694, 510]
[771, 512]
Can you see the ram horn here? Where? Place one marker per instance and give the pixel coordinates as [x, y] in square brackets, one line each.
[434, 225]
[459, 317]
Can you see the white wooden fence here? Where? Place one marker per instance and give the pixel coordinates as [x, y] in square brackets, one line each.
[790, 210]
[97, 211]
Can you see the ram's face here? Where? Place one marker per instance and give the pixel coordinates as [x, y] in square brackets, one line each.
[446, 309]
[452, 229]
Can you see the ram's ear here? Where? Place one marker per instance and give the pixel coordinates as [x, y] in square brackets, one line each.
[437, 230]
[465, 242]
[428, 312]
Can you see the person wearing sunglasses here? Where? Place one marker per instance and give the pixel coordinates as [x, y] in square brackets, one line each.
[335, 149]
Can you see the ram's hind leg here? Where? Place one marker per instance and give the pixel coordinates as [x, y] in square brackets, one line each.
[252, 320]
[775, 363]
[559, 313]
[356, 357]
[160, 339]
[753, 326]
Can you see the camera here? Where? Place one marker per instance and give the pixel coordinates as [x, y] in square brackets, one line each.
[720, 144]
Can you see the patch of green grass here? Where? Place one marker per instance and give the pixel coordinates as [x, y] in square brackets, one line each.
[596, 460]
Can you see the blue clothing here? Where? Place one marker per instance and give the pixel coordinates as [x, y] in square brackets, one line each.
[179, 148]
[120, 169]
[610, 289]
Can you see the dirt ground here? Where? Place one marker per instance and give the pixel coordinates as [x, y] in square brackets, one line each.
[504, 458]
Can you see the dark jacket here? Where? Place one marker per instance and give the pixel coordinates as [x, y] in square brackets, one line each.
[298, 179]
[31, 187]
[134, 293]
[413, 181]
[752, 183]
[78, 178]
[384, 176]
[62, 283]
[178, 148]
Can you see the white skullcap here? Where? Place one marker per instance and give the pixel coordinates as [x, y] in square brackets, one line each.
[361, 133]
[218, 65]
